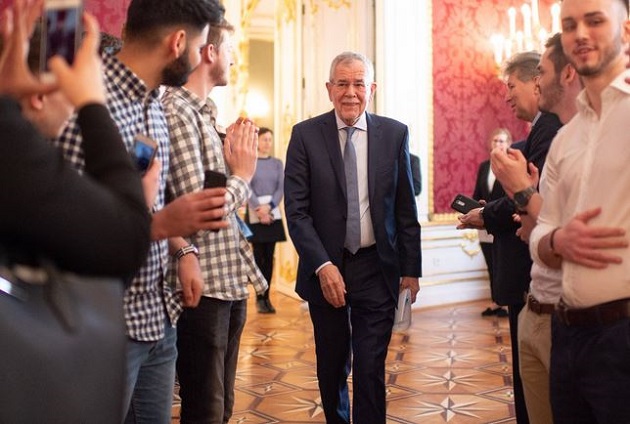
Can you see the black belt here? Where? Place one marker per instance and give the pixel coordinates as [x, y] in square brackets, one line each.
[539, 308]
[603, 314]
[361, 251]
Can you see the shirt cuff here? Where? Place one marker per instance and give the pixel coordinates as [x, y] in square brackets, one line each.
[321, 266]
[539, 231]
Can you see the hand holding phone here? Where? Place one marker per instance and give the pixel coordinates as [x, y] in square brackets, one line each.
[464, 204]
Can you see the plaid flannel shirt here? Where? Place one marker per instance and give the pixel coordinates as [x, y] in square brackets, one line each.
[226, 258]
[136, 110]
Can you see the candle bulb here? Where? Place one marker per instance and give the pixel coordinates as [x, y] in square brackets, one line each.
[512, 20]
[527, 20]
[519, 41]
[497, 44]
[535, 17]
[555, 18]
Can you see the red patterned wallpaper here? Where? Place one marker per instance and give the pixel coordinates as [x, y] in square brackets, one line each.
[110, 13]
[468, 96]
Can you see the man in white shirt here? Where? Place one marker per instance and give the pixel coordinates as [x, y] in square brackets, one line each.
[558, 85]
[584, 219]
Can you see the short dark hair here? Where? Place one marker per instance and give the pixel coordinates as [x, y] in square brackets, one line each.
[524, 65]
[145, 18]
[215, 33]
[109, 44]
[264, 130]
[556, 54]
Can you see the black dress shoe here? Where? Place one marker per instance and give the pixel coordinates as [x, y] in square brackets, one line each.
[270, 307]
[488, 312]
[261, 306]
[501, 313]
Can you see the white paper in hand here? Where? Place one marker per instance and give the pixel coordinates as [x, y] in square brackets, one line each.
[402, 320]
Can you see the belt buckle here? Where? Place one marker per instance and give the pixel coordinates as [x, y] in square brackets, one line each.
[562, 313]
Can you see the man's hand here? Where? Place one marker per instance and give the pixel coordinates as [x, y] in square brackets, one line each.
[332, 284]
[586, 245]
[191, 279]
[189, 213]
[510, 168]
[527, 225]
[241, 149]
[151, 183]
[413, 283]
[472, 219]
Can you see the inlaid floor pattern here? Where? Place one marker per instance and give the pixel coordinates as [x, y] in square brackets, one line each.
[451, 366]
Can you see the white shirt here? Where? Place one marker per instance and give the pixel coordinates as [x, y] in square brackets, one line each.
[360, 140]
[587, 167]
[546, 283]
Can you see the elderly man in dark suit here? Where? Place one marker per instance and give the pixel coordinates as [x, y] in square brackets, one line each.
[352, 217]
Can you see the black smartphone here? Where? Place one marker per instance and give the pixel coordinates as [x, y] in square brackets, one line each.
[214, 179]
[464, 204]
[61, 30]
[144, 151]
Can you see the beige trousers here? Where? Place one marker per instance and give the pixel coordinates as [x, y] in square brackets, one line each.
[534, 347]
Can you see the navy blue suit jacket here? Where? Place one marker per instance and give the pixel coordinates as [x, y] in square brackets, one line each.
[315, 200]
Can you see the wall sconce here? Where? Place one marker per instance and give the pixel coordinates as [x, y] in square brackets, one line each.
[531, 36]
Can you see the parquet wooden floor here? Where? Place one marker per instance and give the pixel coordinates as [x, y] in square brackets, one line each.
[451, 366]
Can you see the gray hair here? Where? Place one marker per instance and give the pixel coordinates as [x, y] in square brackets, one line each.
[347, 57]
[523, 65]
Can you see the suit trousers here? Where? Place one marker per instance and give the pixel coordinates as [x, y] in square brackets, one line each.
[590, 373]
[356, 335]
[534, 348]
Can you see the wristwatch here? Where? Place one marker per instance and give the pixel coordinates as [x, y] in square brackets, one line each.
[521, 198]
[191, 248]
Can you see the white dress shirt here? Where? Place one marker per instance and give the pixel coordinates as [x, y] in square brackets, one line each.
[587, 167]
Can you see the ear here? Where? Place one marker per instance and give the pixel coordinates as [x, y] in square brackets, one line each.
[372, 90]
[329, 87]
[626, 32]
[210, 53]
[568, 74]
[176, 42]
[36, 102]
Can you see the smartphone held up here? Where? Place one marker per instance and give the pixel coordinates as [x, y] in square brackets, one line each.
[61, 30]
[143, 153]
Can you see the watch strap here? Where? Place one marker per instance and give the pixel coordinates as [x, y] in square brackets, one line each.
[191, 248]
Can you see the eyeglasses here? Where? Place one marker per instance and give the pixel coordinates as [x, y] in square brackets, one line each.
[344, 85]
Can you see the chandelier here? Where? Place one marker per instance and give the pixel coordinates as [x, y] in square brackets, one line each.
[530, 35]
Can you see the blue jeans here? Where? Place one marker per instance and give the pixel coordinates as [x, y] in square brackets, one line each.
[590, 373]
[151, 379]
[208, 339]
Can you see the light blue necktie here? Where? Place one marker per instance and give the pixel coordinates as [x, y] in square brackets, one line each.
[353, 221]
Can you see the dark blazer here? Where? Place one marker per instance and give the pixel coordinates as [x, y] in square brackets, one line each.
[512, 261]
[416, 174]
[315, 200]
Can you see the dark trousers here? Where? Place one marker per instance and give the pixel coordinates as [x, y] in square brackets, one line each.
[519, 397]
[590, 373]
[486, 249]
[356, 335]
[208, 338]
[263, 255]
